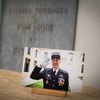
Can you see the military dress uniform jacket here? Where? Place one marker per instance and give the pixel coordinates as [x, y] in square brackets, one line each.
[50, 80]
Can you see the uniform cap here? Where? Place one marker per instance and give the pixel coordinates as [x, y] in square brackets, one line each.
[55, 55]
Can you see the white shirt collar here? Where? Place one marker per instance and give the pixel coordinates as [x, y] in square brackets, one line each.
[56, 71]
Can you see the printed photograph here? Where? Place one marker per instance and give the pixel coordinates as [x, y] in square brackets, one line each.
[53, 69]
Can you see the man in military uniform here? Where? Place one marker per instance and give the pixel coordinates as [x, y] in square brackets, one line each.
[53, 78]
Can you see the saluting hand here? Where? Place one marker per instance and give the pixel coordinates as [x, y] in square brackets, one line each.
[45, 63]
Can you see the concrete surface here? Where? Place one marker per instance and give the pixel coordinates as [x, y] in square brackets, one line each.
[10, 89]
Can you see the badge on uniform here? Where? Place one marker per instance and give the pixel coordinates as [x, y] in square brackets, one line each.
[61, 80]
[48, 75]
[61, 75]
[48, 78]
[47, 82]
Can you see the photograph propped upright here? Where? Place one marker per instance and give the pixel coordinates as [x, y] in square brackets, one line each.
[53, 69]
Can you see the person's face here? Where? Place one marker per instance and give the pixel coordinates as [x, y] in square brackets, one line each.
[55, 63]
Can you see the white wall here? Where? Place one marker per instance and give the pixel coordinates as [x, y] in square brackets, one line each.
[88, 40]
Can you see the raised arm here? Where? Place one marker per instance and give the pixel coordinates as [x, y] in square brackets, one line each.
[36, 73]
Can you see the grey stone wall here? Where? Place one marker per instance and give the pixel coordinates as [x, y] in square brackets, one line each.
[0, 27]
[35, 23]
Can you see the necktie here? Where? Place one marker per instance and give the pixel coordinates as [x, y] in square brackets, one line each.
[54, 72]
